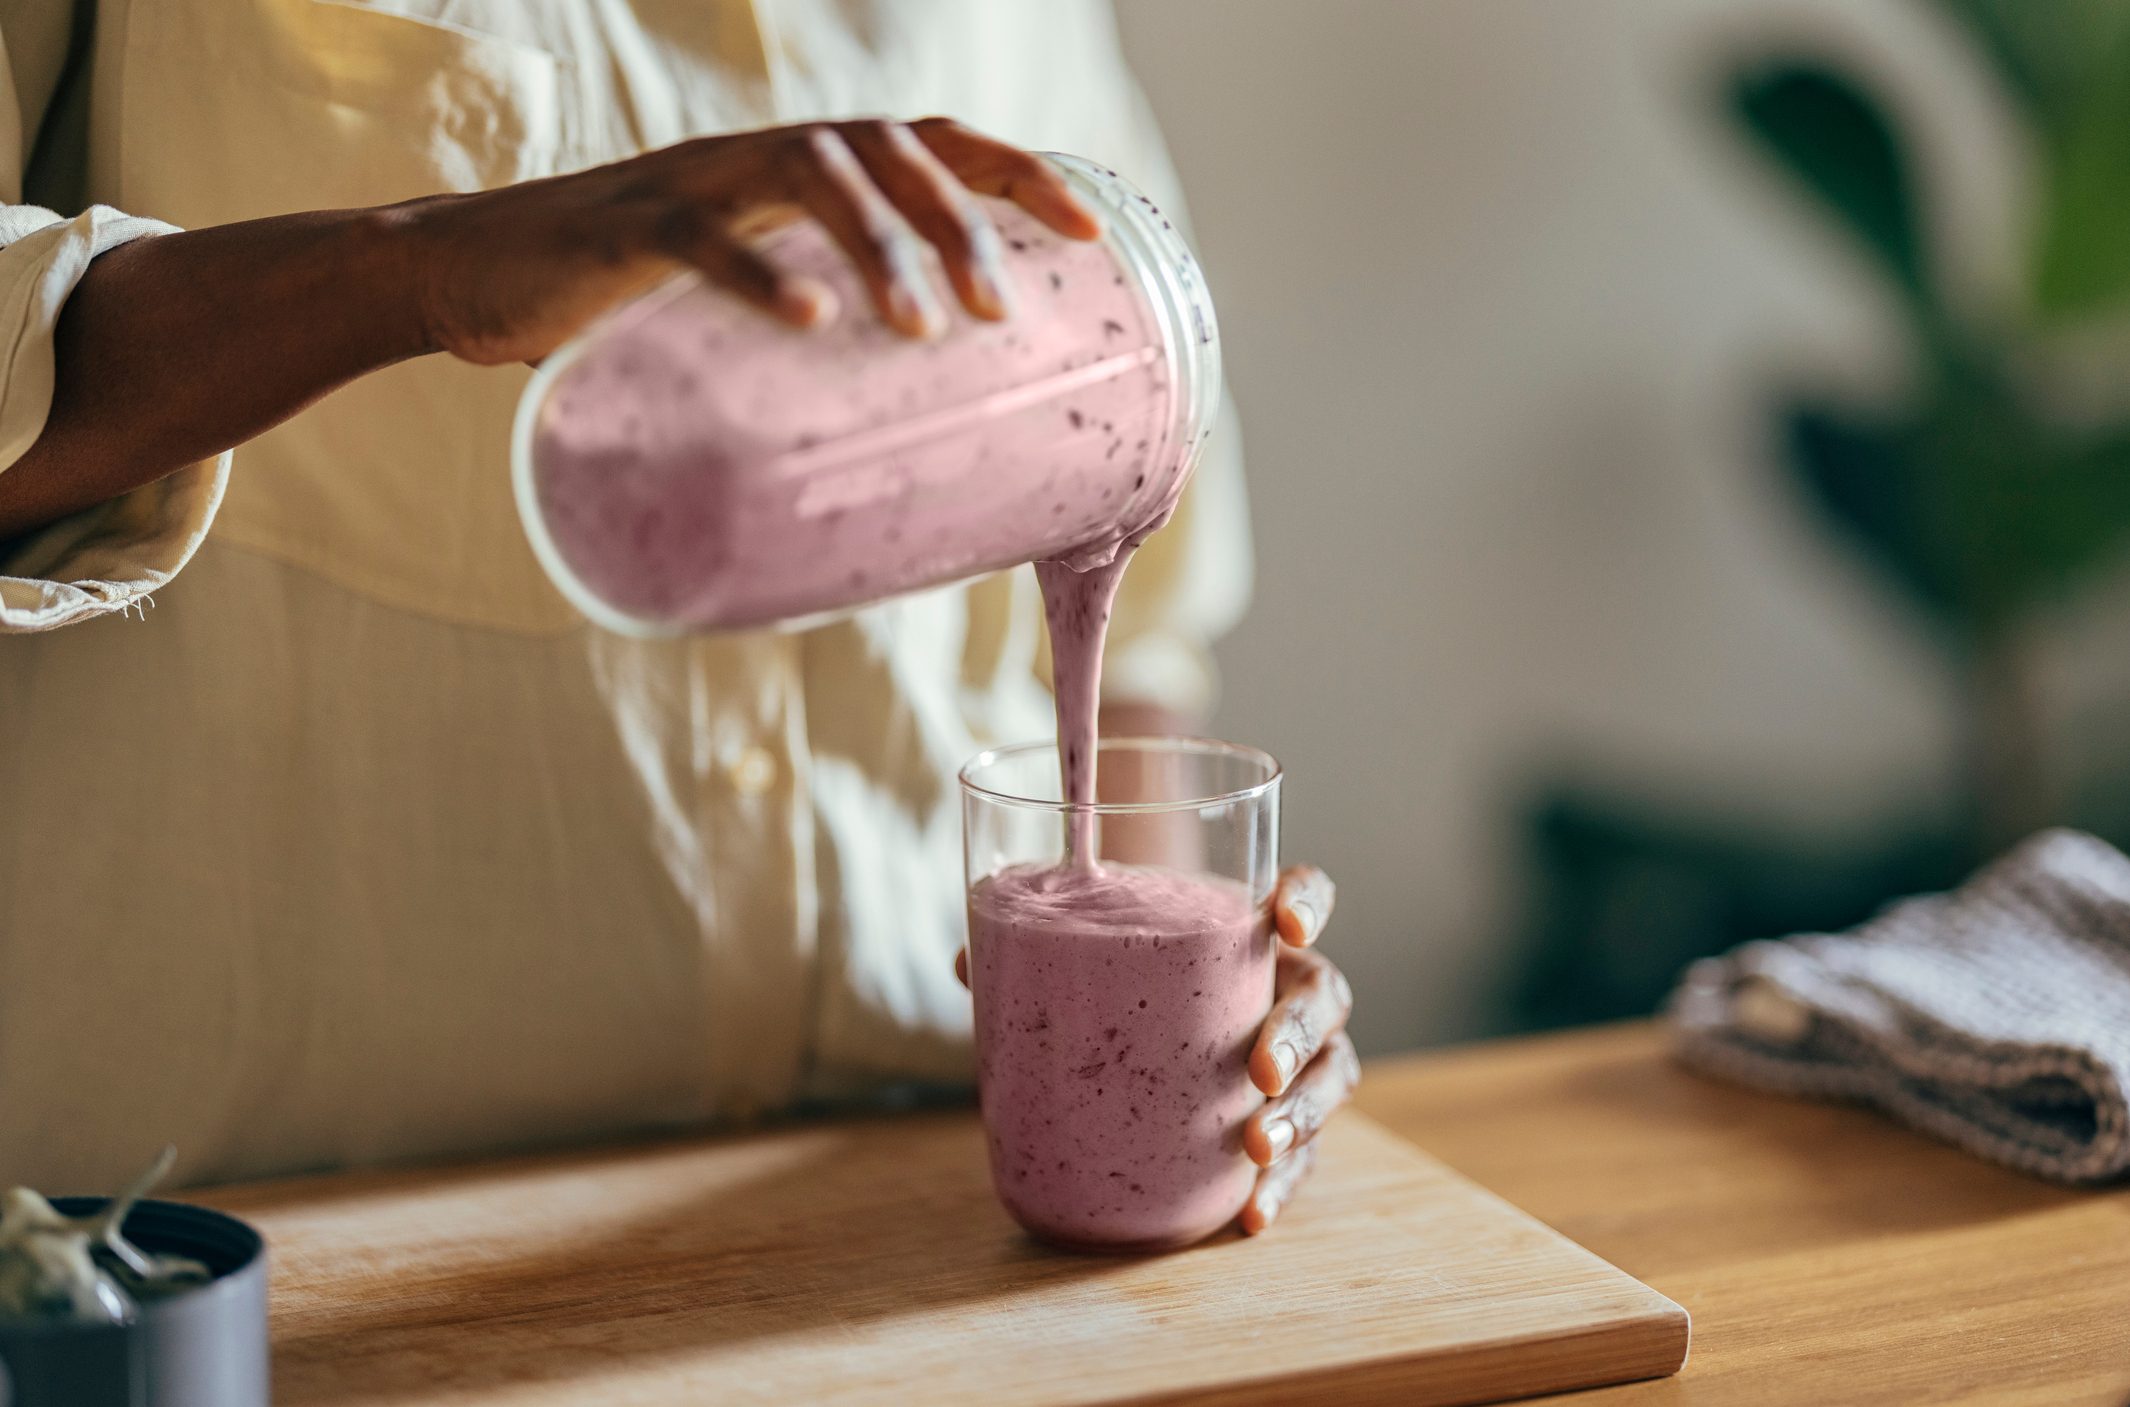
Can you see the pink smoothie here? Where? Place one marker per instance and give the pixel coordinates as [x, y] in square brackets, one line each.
[1115, 1010]
[1076, 611]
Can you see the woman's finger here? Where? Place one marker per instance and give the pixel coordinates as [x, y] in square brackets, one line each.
[1311, 1002]
[940, 208]
[829, 181]
[1292, 1120]
[694, 238]
[961, 966]
[1302, 904]
[1275, 1188]
[993, 168]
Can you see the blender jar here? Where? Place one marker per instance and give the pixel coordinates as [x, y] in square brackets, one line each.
[688, 464]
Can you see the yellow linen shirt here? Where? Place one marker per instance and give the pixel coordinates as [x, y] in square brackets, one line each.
[359, 845]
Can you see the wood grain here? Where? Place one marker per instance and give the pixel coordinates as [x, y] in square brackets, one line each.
[867, 1263]
[1828, 1257]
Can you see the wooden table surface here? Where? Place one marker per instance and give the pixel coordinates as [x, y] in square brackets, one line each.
[1827, 1256]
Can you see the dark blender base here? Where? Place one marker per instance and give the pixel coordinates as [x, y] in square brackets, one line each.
[204, 1347]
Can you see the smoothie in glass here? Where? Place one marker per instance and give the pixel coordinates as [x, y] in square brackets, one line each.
[1115, 1012]
[1117, 1003]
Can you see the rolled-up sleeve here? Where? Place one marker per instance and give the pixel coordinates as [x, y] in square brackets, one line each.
[114, 556]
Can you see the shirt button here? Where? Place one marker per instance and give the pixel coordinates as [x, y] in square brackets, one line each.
[753, 772]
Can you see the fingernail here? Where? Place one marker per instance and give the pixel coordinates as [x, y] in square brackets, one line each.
[805, 302]
[992, 293]
[1096, 225]
[987, 269]
[913, 312]
[910, 293]
[1305, 919]
[1279, 1137]
[1286, 1060]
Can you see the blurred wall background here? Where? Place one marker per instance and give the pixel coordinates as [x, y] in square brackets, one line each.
[1503, 300]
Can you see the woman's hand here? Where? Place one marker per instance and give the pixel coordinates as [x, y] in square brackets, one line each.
[507, 275]
[1304, 1059]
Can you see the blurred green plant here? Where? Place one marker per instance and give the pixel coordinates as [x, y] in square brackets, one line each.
[1977, 497]
[1982, 503]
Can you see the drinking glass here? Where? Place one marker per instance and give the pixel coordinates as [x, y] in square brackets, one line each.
[1117, 999]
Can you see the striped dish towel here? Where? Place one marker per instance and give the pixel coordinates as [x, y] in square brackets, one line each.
[1996, 1017]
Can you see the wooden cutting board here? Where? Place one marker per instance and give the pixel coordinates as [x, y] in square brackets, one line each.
[868, 1263]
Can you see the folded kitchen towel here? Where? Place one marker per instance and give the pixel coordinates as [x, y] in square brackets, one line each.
[1996, 1017]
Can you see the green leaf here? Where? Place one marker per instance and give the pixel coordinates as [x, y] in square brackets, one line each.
[2046, 51]
[2083, 262]
[2066, 515]
[1979, 510]
[2067, 63]
[1862, 475]
[1833, 138]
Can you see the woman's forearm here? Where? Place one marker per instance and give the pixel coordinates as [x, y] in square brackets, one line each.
[178, 347]
[174, 348]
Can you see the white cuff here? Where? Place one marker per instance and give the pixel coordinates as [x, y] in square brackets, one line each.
[109, 557]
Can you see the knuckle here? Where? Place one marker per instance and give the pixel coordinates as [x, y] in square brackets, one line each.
[1022, 160]
[1302, 1027]
[822, 144]
[681, 225]
[681, 154]
[1349, 1061]
[637, 183]
[1308, 1112]
[748, 272]
[886, 243]
[864, 135]
[902, 136]
[959, 227]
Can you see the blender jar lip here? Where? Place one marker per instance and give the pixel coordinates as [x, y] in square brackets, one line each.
[1197, 747]
[1174, 286]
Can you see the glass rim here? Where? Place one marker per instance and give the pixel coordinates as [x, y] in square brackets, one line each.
[1187, 746]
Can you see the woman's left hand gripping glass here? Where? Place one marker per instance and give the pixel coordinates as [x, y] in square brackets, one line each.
[1303, 1060]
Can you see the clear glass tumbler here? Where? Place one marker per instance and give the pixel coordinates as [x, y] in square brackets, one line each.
[1117, 1001]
